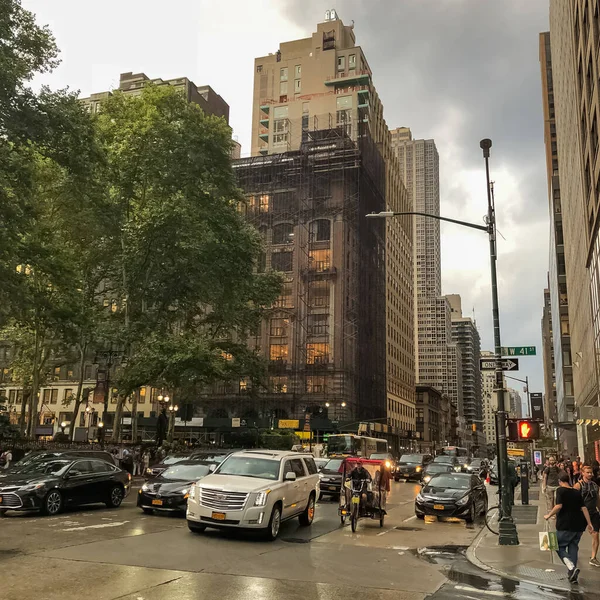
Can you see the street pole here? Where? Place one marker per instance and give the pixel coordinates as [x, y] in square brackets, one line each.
[507, 529]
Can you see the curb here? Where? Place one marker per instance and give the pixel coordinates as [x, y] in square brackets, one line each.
[474, 560]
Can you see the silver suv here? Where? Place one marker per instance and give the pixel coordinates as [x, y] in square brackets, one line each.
[255, 489]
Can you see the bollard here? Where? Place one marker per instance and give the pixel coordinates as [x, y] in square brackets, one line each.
[524, 483]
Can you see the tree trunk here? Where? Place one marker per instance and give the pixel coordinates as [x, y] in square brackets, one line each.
[78, 398]
[33, 402]
[134, 404]
[24, 404]
[117, 424]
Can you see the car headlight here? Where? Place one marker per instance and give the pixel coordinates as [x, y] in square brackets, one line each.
[145, 487]
[30, 487]
[193, 491]
[457, 469]
[466, 466]
[462, 501]
[427, 478]
[388, 464]
[261, 498]
[419, 469]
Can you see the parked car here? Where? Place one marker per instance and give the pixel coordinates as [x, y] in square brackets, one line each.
[331, 478]
[410, 466]
[164, 464]
[476, 466]
[43, 455]
[457, 495]
[433, 469]
[51, 485]
[169, 491]
[449, 460]
[255, 489]
[321, 462]
[390, 461]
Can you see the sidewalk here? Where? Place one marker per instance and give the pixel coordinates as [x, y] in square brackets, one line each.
[527, 562]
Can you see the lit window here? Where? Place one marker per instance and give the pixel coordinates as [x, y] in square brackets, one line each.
[320, 260]
[278, 352]
[317, 354]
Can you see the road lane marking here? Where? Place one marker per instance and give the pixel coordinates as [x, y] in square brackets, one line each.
[99, 526]
[410, 518]
[465, 588]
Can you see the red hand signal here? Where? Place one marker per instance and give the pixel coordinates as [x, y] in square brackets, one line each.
[525, 429]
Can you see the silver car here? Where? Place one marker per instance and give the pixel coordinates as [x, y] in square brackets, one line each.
[255, 489]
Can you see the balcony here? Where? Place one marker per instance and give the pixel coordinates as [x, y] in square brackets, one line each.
[343, 79]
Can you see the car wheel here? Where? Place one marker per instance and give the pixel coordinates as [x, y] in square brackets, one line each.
[2, 513]
[196, 527]
[115, 497]
[148, 511]
[422, 517]
[307, 517]
[53, 503]
[272, 531]
[471, 516]
[484, 508]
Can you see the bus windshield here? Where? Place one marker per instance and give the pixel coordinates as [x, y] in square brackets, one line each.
[340, 444]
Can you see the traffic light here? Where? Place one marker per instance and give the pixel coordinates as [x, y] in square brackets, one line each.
[523, 430]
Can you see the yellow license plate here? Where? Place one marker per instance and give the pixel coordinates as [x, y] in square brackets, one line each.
[355, 500]
[218, 516]
[438, 507]
[0, 499]
[332, 488]
[157, 502]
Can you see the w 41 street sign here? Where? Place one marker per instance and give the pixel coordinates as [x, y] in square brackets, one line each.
[518, 351]
[508, 364]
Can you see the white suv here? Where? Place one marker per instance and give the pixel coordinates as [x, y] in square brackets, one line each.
[255, 489]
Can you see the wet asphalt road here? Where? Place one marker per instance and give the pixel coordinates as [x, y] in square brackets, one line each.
[103, 554]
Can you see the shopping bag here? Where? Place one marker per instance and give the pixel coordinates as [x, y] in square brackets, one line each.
[548, 541]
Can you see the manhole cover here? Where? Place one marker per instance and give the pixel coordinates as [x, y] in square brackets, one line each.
[409, 528]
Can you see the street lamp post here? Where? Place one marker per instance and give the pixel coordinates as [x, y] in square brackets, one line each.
[172, 410]
[507, 529]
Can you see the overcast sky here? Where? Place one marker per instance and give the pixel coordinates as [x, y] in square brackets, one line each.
[452, 70]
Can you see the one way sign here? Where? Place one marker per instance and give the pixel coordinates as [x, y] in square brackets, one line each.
[508, 364]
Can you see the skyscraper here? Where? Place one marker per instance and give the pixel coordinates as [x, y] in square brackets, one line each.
[466, 337]
[548, 360]
[437, 358]
[340, 339]
[574, 37]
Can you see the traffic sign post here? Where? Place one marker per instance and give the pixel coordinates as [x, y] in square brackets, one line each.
[518, 351]
[508, 364]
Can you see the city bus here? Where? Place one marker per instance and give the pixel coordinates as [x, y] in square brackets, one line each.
[348, 444]
[460, 453]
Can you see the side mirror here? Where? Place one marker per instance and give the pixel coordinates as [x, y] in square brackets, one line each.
[212, 468]
[290, 476]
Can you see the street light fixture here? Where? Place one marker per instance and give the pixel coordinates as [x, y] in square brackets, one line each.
[507, 529]
[63, 426]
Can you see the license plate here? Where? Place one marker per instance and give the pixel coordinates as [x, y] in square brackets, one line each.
[157, 502]
[405, 475]
[355, 499]
[0, 499]
[218, 516]
[438, 507]
[332, 488]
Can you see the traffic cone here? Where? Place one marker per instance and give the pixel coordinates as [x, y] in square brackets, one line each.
[487, 479]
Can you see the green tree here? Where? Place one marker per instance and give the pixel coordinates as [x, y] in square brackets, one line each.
[184, 276]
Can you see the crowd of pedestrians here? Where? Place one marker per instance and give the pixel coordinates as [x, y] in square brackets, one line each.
[572, 495]
[136, 460]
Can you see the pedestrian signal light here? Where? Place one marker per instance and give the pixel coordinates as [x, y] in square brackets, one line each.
[523, 430]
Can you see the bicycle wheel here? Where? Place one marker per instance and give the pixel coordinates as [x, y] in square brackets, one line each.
[492, 516]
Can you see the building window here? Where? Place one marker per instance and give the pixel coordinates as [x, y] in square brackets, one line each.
[315, 385]
[352, 61]
[282, 261]
[320, 230]
[285, 299]
[318, 294]
[279, 327]
[67, 397]
[283, 74]
[297, 86]
[142, 396]
[298, 70]
[278, 352]
[283, 233]
[259, 68]
[319, 260]
[279, 384]
[317, 354]
[318, 324]
[56, 376]
[280, 112]
[87, 372]
[283, 88]
[341, 63]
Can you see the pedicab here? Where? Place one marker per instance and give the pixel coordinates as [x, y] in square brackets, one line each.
[363, 497]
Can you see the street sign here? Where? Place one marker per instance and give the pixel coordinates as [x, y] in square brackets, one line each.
[515, 452]
[518, 350]
[537, 457]
[508, 364]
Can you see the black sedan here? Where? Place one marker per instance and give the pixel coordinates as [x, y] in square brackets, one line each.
[170, 490]
[433, 469]
[49, 486]
[330, 478]
[458, 495]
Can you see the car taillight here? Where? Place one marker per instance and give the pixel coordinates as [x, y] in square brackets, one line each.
[129, 476]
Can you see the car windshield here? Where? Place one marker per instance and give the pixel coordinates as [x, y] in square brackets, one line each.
[444, 459]
[169, 460]
[454, 482]
[188, 472]
[333, 465]
[250, 466]
[476, 462]
[54, 467]
[437, 468]
[411, 458]
[380, 456]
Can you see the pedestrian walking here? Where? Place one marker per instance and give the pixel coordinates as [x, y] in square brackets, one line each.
[137, 461]
[513, 479]
[576, 470]
[572, 519]
[550, 482]
[145, 461]
[6, 458]
[127, 461]
[591, 498]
